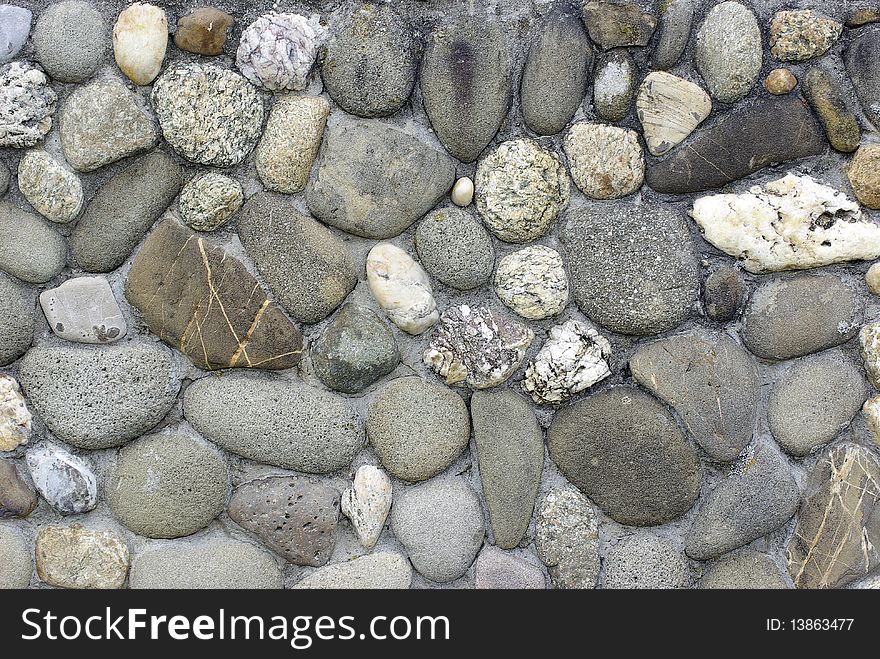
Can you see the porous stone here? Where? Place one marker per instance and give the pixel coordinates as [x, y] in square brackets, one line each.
[30, 249]
[722, 294]
[355, 188]
[15, 26]
[275, 422]
[758, 496]
[869, 345]
[354, 350]
[800, 35]
[532, 282]
[454, 248]
[15, 418]
[290, 515]
[837, 536]
[622, 449]
[306, 267]
[16, 319]
[103, 122]
[369, 68]
[277, 50]
[208, 114]
[863, 173]
[633, 269]
[669, 109]
[64, 480]
[384, 570]
[17, 498]
[18, 565]
[813, 401]
[614, 84]
[209, 200]
[710, 381]
[462, 192]
[606, 162]
[417, 428]
[81, 558]
[140, 38]
[567, 538]
[367, 503]
[84, 310]
[203, 31]
[728, 52]
[465, 84]
[612, 25]
[823, 92]
[521, 189]
[556, 73]
[865, 78]
[510, 452]
[71, 40]
[243, 330]
[745, 570]
[495, 570]
[441, 526]
[97, 398]
[402, 288]
[646, 561]
[787, 318]
[27, 104]
[123, 210]
[675, 32]
[54, 192]
[780, 81]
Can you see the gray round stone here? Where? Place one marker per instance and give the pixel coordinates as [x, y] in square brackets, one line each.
[16, 320]
[30, 249]
[614, 84]
[71, 40]
[454, 247]
[646, 561]
[496, 569]
[744, 570]
[728, 52]
[17, 566]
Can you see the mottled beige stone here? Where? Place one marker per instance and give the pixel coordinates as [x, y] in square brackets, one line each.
[76, 557]
[871, 412]
[864, 175]
[780, 81]
[670, 108]
[800, 35]
[606, 162]
[15, 419]
[54, 192]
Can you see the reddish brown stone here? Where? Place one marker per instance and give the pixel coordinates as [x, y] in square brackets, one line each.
[203, 31]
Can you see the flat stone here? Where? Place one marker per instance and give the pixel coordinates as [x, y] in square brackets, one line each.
[15, 418]
[710, 381]
[103, 122]
[780, 81]
[532, 282]
[354, 189]
[606, 162]
[17, 498]
[744, 570]
[633, 269]
[646, 561]
[614, 84]
[611, 25]
[15, 26]
[865, 78]
[622, 449]
[277, 50]
[81, 558]
[813, 400]
[862, 16]
[293, 516]
[869, 347]
[384, 570]
[823, 92]
[454, 248]
[16, 319]
[496, 570]
[54, 192]
[556, 73]
[140, 38]
[465, 83]
[837, 536]
[440, 524]
[675, 32]
[30, 249]
[275, 422]
[101, 397]
[800, 35]
[367, 503]
[567, 538]
[787, 318]
[669, 109]
[758, 496]
[18, 563]
[864, 175]
[723, 294]
[71, 40]
[728, 52]
[417, 428]
[510, 452]
[355, 350]
[84, 310]
[65, 481]
[27, 104]
[245, 330]
[402, 288]
[203, 31]
[209, 200]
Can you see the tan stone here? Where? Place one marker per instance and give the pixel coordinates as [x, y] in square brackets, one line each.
[864, 175]
[203, 31]
[15, 419]
[872, 278]
[140, 38]
[871, 412]
[76, 557]
[670, 108]
[780, 81]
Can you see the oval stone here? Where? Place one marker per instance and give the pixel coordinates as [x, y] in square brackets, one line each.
[728, 52]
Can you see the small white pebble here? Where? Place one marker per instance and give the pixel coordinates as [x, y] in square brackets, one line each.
[873, 278]
[463, 192]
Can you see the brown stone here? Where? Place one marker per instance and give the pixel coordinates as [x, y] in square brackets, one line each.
[17, 498]
[203, 31]
[780, 81]
[824, 94]
[864, 175]
[863, 16]
[201, 300]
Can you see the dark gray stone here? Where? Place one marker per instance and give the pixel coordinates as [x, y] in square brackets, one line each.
[646, 561]
[17, 498]
[30, 249]
[675, 31]
[822, 90]
[860, 59]
[455, 248]
[16, 320]
[614, 84]
[71, 40]
[612, 25]
[498, 570]
[744, 570]
[722, 294]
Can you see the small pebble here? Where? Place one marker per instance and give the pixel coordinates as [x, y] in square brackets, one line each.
[463, 192]
[367, 503]
[864, 175]
[780, 81]
[140, 38]
[203, 31]
[872, 278]
[863, 16]
[17, 498]
[209, 201]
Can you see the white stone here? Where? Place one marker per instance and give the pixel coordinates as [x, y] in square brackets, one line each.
[54, 192]
[84, 310]
[871, 412]
[574, 358]
[277, 51]
[64, 480]
[792, 223]
[869, 340]
[27, 104]
[140, 38]
[463, 192]
[670, 108]
[532, 282]
[367, 503]
[15, 419]
[402, 288]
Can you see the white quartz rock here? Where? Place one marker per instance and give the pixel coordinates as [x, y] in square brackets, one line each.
[63, 479]
[277, 51]
[871, 412]
[792, 223]
[140, 38]
[54, 192]
[402, 288]
[574, 358]
[367, 503]
[869, 340]
[15, 419]
[463, 192]
[84, 310]
[670, 108]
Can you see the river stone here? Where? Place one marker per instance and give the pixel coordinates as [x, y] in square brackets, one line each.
[54, 192]
[355, 349]
[30, 249]
[465, 83]
[645, 561]
[203, 31]
[532, 282]
[84, 310]
[800, 35]
[728, 52]
[612, 25]
[382, 570]
[495, 570]
[274, 421]
[622, 449]
[306, 267]
[825, 96]
[556, 73]
[441, 526]
[209, 200]
[293, 516]
[355, 190]
[863, 173]
[813, 401]
[669, 109]
[17, 567]
[64, 480]
[243, 330]
[837, 536]
[771, 130]
[633, 268]
[71, 40]
[402, 288]
[454, 248]
[370, 64]
[16, 319]
[17, 498]
[510, 452]
[27, 104]
[367, 503]
[780, 81]
[722, 294]
[675, 32]
[567, 538]
[81, 558]
[744, 570]
[865, 77]
[417, 428]
[758, 496]
[614, 84]
[787, 318]
[140, 39]
[15, 26]
[606, 162]
[277, 51]
[103, 122]
[217, 563]
[860, 16]
[15, 418]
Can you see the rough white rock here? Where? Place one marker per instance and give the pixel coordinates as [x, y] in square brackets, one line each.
[84, 310]
[871, 411]
[27, 104]
[532, 282]
[792, 223]
[64, 480]
[463, 192]
[367, 503]
[54, 192]
[669, 109]
[15, 419]
[140, 38]
[606, 162]
[869, 340]
[574, 358]
[277, 51]
[402, 288]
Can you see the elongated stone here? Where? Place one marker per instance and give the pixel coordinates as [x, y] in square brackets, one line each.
[669, 109]
[728, 52]
[613, 25]
[567, 538]
[860, 57]
[367, 503]
[17, 498]
[675, 31]
[825, 96]
[402, 288]
[15, 418]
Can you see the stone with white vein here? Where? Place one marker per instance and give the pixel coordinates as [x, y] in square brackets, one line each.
[84, 310]
[15, 419]
[367, 503]
[66, 481]
[670, 108]
[402, 288]
[54, 192]
[277, 50]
